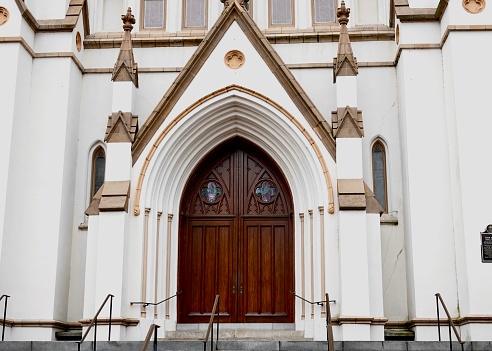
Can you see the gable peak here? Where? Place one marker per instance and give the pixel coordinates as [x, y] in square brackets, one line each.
[243, 3]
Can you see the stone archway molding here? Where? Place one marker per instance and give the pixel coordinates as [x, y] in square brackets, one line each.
[222, 92]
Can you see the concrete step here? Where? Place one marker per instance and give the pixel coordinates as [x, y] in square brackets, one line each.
[230, 345]
[238, 334]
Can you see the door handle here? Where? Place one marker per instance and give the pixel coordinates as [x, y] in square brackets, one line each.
[234, 288]
[240, 289]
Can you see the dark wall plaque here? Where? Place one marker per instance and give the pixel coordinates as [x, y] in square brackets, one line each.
[486, 247]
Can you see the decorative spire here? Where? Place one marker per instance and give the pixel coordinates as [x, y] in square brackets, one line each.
[343, 14]
[345, 64]
[128, 20]
[126, 68]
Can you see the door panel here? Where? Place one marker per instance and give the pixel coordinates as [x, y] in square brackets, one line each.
[266, 272]
[236, 239]
[209, 263]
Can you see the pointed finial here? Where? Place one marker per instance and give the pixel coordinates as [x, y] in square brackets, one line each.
[343, 14]
[128, 20]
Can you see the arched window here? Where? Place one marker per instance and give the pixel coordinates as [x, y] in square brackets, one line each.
[281, 12]
[154, 13]
[98, 168]
[195, 13]
[324, 11]
[379, 174]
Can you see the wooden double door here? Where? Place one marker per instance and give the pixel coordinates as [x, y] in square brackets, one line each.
[236, 239]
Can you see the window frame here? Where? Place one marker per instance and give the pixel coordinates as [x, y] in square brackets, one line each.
[183, 12]
[94, 157]
[270, 16]
[142, 16]
[323, 24]
[379, 143]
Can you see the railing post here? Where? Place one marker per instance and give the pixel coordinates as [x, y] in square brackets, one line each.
[155, 337]
[438, 320]
[4, 316]
[329, 329]
[450, 339]
[95, 333]
[110, 315]
[218, 324]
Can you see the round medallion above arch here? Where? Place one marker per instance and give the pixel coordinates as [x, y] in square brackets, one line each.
[473, 6]
[4, 15]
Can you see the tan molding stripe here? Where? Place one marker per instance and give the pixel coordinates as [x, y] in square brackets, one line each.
[157, 251]
[41, 55]
[66, 24]
[323, 260]
[303, 268]
[360, 320]
[414, 47]
[405, 13]
[143, 39]
[168, 262]
[422, 322]
[127, 322]
[311, 242]
[39, 323]
[145, 249]
[464, 28]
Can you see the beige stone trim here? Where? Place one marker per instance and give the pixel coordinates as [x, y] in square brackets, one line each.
[145, 256]
[157, 251]
[405, 13]
[35, 55]
[115, 196]
[168, 262]
[160, 138]
[414, 47]
[161, 38]
[372, 205]
[360, 320]
[127, 322]
[321, 210]
[67, 24]
[425, 322]
[121, 127]
[303, 268]
[351, 194]
[311, 242]
[40, 323]
[347, 122]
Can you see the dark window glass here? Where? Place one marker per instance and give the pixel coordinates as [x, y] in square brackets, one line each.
[98, 168]
[379, 174]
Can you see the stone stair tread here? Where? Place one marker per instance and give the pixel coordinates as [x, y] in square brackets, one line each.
[229, 334]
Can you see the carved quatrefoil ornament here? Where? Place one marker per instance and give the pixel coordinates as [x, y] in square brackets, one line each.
[4, 15]
[234, 59]
[474, 6]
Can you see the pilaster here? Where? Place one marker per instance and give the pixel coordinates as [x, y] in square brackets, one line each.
[359, 233]
[106, 243]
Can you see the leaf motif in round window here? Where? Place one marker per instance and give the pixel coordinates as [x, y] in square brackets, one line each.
[211, 192]
[266, 191]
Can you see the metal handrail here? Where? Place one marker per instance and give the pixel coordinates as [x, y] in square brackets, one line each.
[329, 326]
[450, 323]
[152, 330]
[210, 326]
[94, 322]
[4, 315]
[319, 303]
[145, 304]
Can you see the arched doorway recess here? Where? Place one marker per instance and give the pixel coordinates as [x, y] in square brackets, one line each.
[236, 238]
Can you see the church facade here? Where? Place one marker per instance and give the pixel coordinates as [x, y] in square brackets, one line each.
[159, 153]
